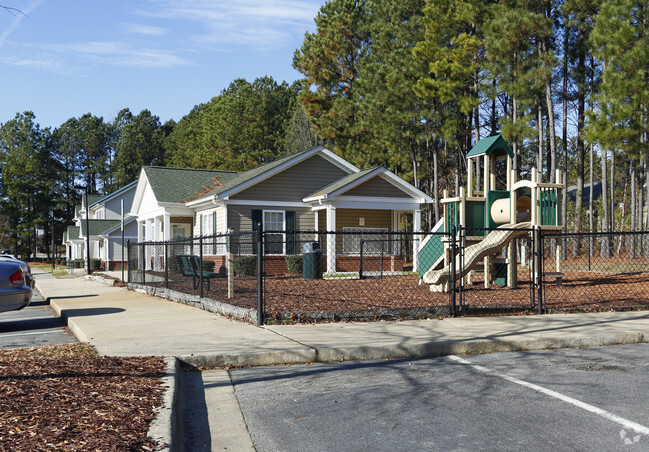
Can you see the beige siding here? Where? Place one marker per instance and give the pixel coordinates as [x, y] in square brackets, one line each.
[377, 187]
[349, 218]
[200, 213]
[240, 217]
[296, 182]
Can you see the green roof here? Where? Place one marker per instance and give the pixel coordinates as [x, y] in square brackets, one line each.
[73, 232]
[340, 183]
[182, 184]
[98, 227]
[491, 145]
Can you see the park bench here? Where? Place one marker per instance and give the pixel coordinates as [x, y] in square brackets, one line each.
[190, 266]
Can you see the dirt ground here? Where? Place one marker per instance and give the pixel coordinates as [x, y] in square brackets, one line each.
[68, 398]
[291, 298]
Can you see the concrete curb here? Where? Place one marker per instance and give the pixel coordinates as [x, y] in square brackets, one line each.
[414, 351]
[164, 427]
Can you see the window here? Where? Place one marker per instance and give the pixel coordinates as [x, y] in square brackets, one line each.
[274, 220]
[375, 241]
[211, 245]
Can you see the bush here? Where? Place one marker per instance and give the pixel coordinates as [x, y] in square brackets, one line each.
[95, 264]
[245, 265]
[294, 263]
[77, 263]
[208, 266]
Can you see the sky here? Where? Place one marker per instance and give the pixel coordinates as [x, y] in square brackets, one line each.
[65, 58]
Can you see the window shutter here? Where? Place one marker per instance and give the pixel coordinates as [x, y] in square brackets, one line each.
[290, 232]
[257, 218]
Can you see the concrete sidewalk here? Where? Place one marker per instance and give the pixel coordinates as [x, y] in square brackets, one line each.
[119, 322]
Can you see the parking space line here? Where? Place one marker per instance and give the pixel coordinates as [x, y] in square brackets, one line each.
[639, 428]
[23, 319]
[2, 335]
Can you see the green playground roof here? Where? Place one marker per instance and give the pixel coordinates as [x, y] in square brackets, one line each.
[491, 145]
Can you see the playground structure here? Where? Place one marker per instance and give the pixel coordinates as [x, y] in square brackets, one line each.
[494, 218]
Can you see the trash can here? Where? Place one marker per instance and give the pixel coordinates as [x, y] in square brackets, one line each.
[311, 261]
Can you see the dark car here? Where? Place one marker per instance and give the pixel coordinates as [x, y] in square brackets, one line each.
[24, 265]
[15, 291]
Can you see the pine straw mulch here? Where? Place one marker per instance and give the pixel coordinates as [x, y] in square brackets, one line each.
[65, 397]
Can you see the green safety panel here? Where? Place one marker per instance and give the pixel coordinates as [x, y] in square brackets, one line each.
[451, 215]
[492, 196]
[549, 208]
[475, 218]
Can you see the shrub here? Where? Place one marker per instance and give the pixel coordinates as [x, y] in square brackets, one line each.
[77, 263]
[95, 264]
[294, 263]
[245, 265]
[208, 266]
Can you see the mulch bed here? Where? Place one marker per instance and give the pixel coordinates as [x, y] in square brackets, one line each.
[292, 299]
[68, 398]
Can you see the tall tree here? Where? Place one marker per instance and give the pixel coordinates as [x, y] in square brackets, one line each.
[330, 60]
[26, 180]
[140, 144]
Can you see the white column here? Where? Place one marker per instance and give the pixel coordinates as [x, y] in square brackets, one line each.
[331, 240]
[156, 237]
[139, 230]
[166, 227]
[156, 229]
[416, 225]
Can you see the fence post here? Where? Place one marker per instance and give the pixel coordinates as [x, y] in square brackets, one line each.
[143, 264]
[166, 257]
[260, 281]
[539, 268]
[128, 262]
[360, 264]
[230, 263]
[453, 274]
[200, 263]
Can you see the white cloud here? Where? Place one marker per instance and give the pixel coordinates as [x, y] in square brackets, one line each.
[264, 24]
[120, 54]
[144, 29]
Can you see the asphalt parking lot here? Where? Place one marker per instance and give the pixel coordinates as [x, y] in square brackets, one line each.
[554, 400]
[34, 326]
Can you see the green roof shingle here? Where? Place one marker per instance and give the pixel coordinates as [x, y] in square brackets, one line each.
[182, 184]
[73, 232]
[98, 227]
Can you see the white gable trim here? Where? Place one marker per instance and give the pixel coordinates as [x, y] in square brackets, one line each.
[325, 153]
[113, 195]
[142, 185]
[386, 175]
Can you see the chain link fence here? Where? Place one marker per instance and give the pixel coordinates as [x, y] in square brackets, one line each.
[595, 271]
[311, 276]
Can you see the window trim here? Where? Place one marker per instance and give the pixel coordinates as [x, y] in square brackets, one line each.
[263, 227]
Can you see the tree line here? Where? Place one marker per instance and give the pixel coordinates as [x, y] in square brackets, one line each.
[411, 85]
[414, 84]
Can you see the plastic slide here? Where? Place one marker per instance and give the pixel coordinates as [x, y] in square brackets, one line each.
[492, 243]
[431, 250]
